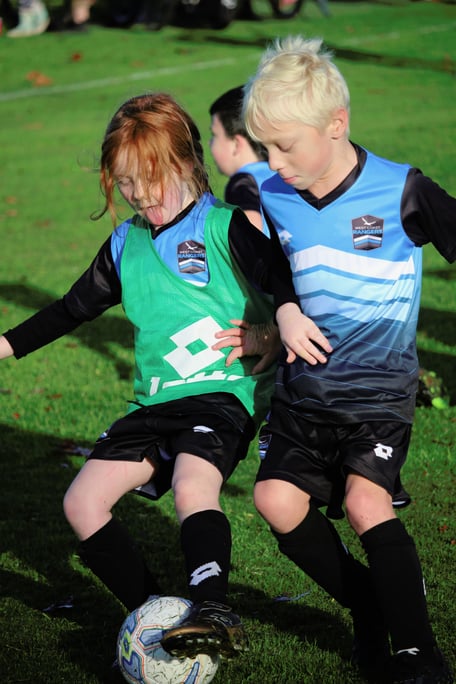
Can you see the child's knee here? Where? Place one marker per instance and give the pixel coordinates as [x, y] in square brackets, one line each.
[71, 505]
[367, 505]
[281, 504]
[191, 496]
[78, 507]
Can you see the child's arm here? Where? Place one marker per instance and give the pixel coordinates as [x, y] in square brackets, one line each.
[300, 335]
[93, 293]
[6, 349]
[264, 263]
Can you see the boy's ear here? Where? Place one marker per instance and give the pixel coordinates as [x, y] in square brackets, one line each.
[238, 143]
[339, 123]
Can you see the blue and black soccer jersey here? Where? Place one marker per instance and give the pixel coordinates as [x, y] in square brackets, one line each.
[356, 267]
[243, 187]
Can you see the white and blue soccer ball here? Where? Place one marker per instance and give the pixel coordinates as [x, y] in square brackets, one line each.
[141, 658]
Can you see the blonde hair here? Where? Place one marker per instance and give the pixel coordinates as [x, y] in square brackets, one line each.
[296, 80]
[153, 137]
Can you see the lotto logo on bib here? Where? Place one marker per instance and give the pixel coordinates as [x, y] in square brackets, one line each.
[193, 352]
[367, 232]
[193, 358]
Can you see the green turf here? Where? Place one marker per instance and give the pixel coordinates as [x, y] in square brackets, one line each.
[57, 94]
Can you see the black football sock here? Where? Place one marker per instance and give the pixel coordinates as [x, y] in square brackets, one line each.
[315, 547]
[112, 556]
[397, 577]
[206, 543]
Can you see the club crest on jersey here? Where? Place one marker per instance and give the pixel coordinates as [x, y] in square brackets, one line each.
[191, 257]
[367, 232]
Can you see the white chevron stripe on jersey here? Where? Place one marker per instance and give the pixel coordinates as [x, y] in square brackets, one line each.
[327, 258]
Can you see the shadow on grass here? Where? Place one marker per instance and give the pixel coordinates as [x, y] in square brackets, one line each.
[309, 624]
[95, 335]
[447, 273]
[39, 568]
[441, 326]
[446, 64]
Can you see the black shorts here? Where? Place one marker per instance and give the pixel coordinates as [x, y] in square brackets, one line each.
[317, 457]
[215, 427]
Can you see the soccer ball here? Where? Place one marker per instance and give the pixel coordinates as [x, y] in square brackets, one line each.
[141, 658]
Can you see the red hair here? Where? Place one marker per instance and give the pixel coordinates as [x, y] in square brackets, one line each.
[151, 135]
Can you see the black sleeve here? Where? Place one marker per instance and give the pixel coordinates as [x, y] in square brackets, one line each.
[95, 291]
[428, 214]
[242, 191]
[261, 259]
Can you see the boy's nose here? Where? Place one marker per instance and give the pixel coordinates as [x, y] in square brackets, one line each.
[274, 161]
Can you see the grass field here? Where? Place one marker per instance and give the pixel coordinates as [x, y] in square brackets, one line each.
[57, 94]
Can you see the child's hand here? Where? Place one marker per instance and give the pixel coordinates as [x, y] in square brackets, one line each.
[260, 339]
[299, 333]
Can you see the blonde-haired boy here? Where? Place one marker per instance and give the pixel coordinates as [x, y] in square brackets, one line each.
[352, 225]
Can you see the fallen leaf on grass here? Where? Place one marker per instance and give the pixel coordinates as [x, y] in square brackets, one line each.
[38, 79]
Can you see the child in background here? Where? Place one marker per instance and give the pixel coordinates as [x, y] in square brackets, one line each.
[352, 225]
[238, 156]
[33, 19]
[181, 266]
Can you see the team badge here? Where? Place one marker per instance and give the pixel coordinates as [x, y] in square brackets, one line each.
[263, 444]
[367, 232]
[191, 257]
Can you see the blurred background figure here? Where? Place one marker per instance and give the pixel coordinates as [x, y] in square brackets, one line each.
[76, 15]
[33, 19]
[154, 14]
[281, 9]
[323, 6]
[238, 156]
[80, 14]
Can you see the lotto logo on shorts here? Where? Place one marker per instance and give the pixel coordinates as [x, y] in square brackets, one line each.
[382, 451]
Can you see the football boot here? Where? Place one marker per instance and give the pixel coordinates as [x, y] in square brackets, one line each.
[211, 628]
[417, 667]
